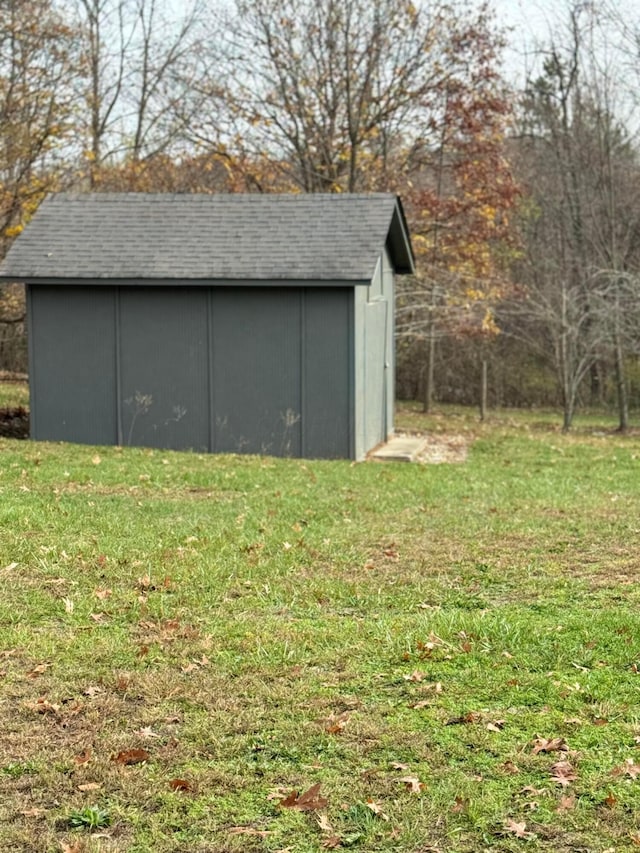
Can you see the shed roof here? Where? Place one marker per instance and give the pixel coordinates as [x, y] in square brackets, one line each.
[187, 237]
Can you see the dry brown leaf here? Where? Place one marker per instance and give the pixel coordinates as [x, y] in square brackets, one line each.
[556, 744]
[496, 726]
[398, 765]
[416, 675]
[38, 670]
[567, 803]
[127, 757]
[376, 808]
[518, 829]
[89, 786]
[469, 717]
[629, 768]
[510, 767]
[309, 801]
[324, 824]
[83, 757]
[74, 847]
[102, 593]
[563, 773]
[32, 812]
[181, 785]
[41, 706]
[336, 723]
[412, 784]
[460, 806]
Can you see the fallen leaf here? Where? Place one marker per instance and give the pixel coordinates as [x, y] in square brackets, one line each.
[416, 675]
[336, 723]
[398, 765]
[10, 567]
[32, 812]
[610, 800]
[376, 808]
[412, 783]
[89, 786]
[181, 785]
[128, 757]
[563, 773]
[76, 847]
[308, 802]
[510, 767]
[556, 744]
[93, 690]
[497, 726]
[42, 706]
[567, 803]
[518, 829]
[38, 670]
[460, 806]
[147, 732]
[470, 717]
[629, 768]
[102, 593]
[324, 824]
[83, 757]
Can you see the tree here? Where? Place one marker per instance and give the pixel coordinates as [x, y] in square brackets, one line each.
[38, 65]
[461, 202]
[336, 92]
[139, 65]
[582, 224]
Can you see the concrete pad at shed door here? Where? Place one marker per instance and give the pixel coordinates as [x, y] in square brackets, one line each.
[400, 448]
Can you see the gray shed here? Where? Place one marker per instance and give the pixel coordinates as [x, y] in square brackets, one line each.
[223, 323]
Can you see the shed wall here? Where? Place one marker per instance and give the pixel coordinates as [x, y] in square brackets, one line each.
[374, 359]
[260, 370]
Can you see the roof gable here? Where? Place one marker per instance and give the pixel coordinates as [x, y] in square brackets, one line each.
[187, 237]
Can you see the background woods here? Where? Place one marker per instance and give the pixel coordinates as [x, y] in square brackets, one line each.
[522, 200]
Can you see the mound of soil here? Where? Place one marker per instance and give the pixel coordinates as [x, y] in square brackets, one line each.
[14, 422]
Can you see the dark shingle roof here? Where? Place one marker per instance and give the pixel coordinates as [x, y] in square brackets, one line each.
[129, 236]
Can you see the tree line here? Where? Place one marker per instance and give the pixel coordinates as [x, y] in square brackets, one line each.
[521, 199]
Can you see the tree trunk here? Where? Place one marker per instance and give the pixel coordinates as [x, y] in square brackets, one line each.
[427, 391]
[621, 387]
[483, 389]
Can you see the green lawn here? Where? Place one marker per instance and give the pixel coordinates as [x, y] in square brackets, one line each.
[452, 652]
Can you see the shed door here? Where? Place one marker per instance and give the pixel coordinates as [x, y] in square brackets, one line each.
[256, 370]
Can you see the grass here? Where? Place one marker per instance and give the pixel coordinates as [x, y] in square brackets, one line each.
[451, 651]
[14, 394]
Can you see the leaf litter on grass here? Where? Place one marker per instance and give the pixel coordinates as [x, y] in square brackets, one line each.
[490, 581]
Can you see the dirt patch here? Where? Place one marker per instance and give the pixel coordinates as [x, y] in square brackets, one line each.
[445, 448]
[14, 422]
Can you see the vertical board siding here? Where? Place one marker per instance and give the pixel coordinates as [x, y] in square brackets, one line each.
[266, 370]
[327, 367]
[256, 370]
[72, 363]
[163, 364]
